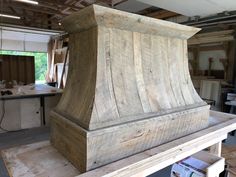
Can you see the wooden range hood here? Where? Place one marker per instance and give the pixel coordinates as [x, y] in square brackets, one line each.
[128, 87]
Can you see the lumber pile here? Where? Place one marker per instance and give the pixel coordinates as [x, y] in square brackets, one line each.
[58, 62]
[212, 37]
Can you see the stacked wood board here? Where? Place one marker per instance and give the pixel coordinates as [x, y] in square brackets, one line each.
[58, 61]
[212, 37]
[128, 87]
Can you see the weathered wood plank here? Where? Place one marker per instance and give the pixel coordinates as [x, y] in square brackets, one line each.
[143, 163]
[150, 161]
[36, 160]
[128, 86]
[212, 37]
[112, 18]
[126, 139]
[138, 65]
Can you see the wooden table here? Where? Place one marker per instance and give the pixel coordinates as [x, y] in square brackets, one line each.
[28, 106]
[29, 91]
[42, 159]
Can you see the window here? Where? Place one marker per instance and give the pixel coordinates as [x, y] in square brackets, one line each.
[40, 62]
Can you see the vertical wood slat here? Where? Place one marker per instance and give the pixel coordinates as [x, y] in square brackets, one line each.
[123, 73]
[19, 68]
[139, 72]
[141, 79]
[105, 101]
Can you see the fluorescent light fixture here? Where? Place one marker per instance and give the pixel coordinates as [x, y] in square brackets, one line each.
[9, 16]
[28, 1]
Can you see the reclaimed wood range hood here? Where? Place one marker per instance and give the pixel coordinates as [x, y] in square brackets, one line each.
[128, 87]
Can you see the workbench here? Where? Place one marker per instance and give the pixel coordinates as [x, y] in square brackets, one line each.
[229, 153]
[41, 159]
[28, 106]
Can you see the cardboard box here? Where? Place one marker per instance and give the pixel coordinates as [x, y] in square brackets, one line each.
[202, 164]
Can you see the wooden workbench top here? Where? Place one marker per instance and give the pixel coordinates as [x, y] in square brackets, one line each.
[41, 159]
[34, 90]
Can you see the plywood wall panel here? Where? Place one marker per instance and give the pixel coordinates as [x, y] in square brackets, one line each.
[19, 68]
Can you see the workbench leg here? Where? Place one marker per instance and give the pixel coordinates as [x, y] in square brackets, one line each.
[216, 149]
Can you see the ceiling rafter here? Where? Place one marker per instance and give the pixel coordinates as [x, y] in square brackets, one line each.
[111, 3]
[48, 13]
[20, 6]
[69, 5]
[58, 5]
[162, 14]
[116, 2]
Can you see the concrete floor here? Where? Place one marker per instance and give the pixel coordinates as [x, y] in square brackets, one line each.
[12, 139]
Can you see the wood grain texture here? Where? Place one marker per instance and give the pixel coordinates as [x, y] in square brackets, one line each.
[142, 164]
[212, 37]
[91, 149]
[96, 15]
[229, 153]
[26, 159]
[115, 85]
[128, 86]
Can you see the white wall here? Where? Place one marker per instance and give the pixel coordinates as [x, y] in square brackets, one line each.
[23, 41]
[203, 59]
[28, 46]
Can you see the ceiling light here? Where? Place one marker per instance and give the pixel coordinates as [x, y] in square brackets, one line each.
[59, 23]
[28, 1]
[9, 16]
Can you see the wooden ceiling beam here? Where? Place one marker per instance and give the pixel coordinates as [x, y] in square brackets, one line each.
[10, 13]
[58, 5]
[111, 3]
[53, 5]
[22, 23]
[49, 7]
[30, 8]
[37, 15]
[13, 10]
[116, 2]
[41, 4]
[162, 14]
[67, 7]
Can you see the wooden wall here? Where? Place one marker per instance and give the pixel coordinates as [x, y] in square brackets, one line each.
[19, 68]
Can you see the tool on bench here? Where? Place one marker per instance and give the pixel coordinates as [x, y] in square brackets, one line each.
[6, 92]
